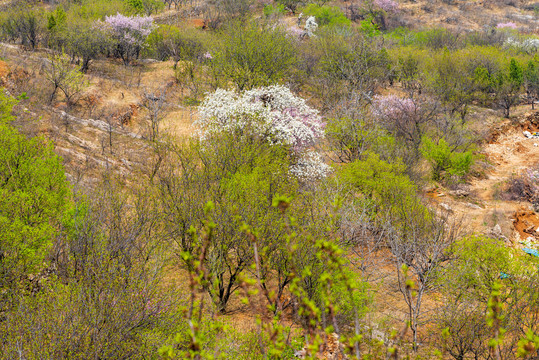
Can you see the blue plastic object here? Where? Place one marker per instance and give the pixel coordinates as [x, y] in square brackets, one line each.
[531, 251]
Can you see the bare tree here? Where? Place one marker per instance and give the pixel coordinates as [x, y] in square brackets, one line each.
[155, 105]
[61, 74]
[419, 249]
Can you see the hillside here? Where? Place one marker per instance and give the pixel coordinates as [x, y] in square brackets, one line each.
[228, 179]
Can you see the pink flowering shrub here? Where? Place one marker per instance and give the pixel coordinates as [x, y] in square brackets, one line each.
[393, 107]
[387, 5]
[404, 117]
[507, 25]
[273, 113]
[129, 33]
[295, 31]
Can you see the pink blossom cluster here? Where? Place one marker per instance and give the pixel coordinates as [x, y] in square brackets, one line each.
[507, 25]
[132, 30]
[387, 5]
[273, 113]
[393, 107]
[295, 31]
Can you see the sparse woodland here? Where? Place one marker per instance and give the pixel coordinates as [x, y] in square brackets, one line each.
[269, 179]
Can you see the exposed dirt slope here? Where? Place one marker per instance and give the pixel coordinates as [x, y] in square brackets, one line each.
[508, 154]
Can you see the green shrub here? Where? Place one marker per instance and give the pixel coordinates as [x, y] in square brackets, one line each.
[33, 197]
[250, 56]
[444, 159]
[369, 27]
[270, 10]
[386, 187]
[327, 15]
[146, 7]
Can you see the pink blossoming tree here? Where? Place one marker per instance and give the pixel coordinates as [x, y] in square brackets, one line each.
[507, 25]
[129, 33]
[387, 5]
[404, 117]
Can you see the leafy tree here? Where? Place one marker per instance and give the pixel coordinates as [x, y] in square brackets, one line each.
[452, 83]
[531, 82]
[33, 199]
[353, 139]
[129, 34]
[57, 19]
[251, 56]
[348, 67]
[87, 41]
[170, 42]
[508, 85]
[239, 177]
[24, 25]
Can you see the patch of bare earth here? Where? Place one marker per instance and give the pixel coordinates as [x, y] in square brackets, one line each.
[508, 153]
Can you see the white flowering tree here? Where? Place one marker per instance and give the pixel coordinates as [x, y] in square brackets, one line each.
[273, 114]
[310, 26]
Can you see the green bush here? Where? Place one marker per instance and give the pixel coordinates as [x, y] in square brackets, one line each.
[327, 15]
[445, 160]
[250, 56]
[146, 7]
[270, 10]
[33, 197]
[386, 187]
[368, 27]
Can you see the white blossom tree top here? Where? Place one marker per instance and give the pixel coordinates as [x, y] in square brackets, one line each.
[274, 113]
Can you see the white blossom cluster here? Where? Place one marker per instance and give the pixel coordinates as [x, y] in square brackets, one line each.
[310, 166]
[273, 113]
[311, 26]
[529, 45]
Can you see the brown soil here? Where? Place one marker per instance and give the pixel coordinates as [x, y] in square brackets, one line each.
[507, 153]
[526, 224]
